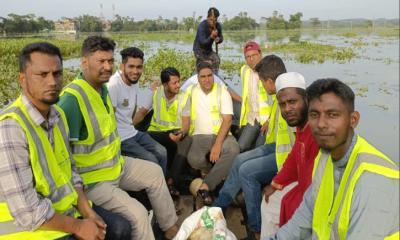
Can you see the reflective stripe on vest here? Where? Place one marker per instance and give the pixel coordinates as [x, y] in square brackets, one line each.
[97, 157]
[394, 236]
[331, 216]
[265, 100]
[215, 108]
[280, 133]
[165, 119]
[51, 170]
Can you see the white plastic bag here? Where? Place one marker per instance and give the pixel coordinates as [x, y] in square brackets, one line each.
[207, 223]
[270, 211]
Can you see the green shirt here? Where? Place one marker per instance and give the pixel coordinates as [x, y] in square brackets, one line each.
[76, 123]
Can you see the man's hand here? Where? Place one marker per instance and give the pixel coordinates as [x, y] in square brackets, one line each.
[268, 191]
[87, 229]
[176, 137]
[98, 220]
[215, 152]
[214, 34]
[264, 128]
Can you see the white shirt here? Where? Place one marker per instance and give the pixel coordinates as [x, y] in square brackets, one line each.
[194, 80]
[124, 100]
[203, 123]
[253, 114]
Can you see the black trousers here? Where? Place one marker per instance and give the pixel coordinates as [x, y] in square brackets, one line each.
[118, 228]
[176, 152]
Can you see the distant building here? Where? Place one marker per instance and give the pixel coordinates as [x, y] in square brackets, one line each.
[66, 25]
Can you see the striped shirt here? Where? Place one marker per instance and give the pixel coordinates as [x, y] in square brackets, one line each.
[29, 209]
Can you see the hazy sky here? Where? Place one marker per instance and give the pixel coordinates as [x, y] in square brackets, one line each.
[151, 9]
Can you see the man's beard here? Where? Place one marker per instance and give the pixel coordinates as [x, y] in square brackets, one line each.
[50, 101]
[130, 80]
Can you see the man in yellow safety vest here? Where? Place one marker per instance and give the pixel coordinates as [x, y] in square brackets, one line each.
[166, 125]
[256, 102]
[96, 147]
[354, 193]
[41, 194]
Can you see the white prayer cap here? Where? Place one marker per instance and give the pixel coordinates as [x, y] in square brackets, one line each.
[290, 79]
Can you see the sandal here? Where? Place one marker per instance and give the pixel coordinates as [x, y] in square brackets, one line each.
[173, 191]
[205, 196]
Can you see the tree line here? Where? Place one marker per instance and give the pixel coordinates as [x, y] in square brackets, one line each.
[30, 23]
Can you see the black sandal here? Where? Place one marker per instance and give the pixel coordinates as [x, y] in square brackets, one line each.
[173, 191]
[205, 196]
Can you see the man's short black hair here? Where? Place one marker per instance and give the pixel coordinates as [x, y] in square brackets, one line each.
[270, 67]
[331, 85]
[132, 52]
[96, 43]
[213, 12]
[41, 47]
[202, 65]
[166, 74]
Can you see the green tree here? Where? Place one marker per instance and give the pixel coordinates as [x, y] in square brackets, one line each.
[89, 23]
[370, 24]
[190, 22]
[240, 22]
[117, 24]
[276, 21]
[129, 24]
[295, 21]
[45, 24]
[315, 22]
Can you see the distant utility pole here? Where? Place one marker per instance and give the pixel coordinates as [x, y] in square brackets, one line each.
[113, 11]
[194, 20]
[351, 25]
[101, 11]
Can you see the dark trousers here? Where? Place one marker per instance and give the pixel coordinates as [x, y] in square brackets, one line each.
[118, 228]
[176, 152]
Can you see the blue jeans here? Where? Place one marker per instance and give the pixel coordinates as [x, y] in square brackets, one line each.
[251, 137]
[144, 147]
[117, 226]
[250, 171]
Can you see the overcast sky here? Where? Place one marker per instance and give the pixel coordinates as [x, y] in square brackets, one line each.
[151, 9]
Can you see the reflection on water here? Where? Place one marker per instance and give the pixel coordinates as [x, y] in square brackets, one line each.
[374, 76]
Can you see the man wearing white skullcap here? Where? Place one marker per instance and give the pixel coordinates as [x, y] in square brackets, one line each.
[291, 97]
[290, 79]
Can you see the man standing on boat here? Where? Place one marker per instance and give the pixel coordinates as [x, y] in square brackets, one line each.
[208, 32]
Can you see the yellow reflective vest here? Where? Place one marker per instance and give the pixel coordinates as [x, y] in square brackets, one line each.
[165, 119]
[51, 170]
[331, 215]
[264, 100]
[280, 133]
[98, 156]
[215, 107]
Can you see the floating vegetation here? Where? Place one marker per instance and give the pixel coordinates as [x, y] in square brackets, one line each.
[349, 34]
[359, 43]
[307, 52]
[381, 106]
[385, 91]
[167, 57]
[174, 36]
[361, 92]
[9, 50]
[231, 68]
